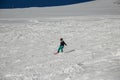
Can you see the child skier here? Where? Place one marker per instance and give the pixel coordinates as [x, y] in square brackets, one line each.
[62, 43]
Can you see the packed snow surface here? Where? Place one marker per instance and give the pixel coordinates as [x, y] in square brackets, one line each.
[27, 48]
[96, 7]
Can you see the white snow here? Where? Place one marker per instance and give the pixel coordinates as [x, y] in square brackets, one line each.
[97, 7]
[27, 49]
[91, 30]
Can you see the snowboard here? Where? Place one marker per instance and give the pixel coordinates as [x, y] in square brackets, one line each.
[55, 53]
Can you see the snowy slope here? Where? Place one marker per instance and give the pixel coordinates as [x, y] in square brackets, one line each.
[27, 47]
[97, 7]
[29, 37]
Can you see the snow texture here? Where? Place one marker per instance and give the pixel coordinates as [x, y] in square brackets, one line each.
[30, 37]
[93, 51]
[96, 7]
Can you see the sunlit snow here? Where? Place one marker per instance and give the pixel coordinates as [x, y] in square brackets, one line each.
[27, 48]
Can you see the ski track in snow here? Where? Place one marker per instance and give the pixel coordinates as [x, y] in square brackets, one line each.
[27, 47]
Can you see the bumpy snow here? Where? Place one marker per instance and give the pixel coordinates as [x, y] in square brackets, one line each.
[27, 48]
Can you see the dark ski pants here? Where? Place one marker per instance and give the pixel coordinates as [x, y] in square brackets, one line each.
[60, 49]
